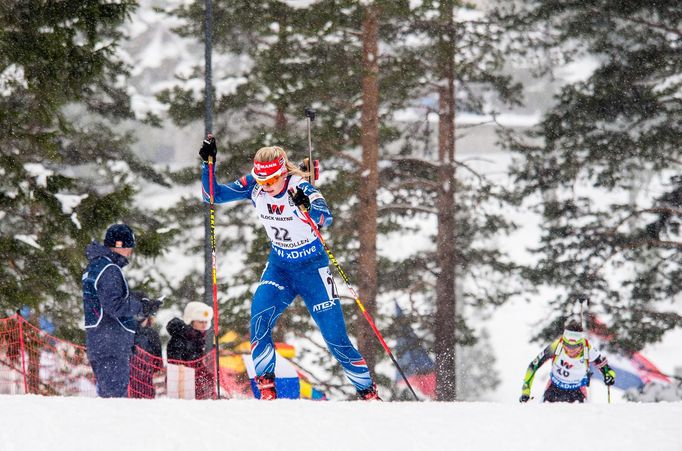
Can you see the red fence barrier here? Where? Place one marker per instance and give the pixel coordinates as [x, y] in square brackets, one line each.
[34, 362]
[193, 380]
[147, 375]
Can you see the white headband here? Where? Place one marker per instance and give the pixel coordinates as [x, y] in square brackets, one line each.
[572, 335]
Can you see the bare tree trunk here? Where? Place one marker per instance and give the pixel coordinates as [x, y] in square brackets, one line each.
[367, 218]
[281, 122]
[445, 333]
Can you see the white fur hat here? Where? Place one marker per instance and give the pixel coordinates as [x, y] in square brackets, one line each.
[197, 311]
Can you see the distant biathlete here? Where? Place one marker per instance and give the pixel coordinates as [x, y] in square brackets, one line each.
[571, 356]
[297, 265]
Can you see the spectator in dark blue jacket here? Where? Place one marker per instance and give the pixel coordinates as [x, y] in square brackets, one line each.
[112, 311]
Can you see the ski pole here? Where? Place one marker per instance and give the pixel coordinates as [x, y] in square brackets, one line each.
[366, 314]
[583, 322]
[310, 117]
[214, 271]
[608, 392]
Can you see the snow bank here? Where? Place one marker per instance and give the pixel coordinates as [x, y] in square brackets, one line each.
[37, 423]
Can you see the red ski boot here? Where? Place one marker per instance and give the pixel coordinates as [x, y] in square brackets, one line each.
[266, 386]
[369, 394]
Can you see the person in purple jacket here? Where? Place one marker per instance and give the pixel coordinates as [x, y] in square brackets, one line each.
[112, 311]
[297, 265]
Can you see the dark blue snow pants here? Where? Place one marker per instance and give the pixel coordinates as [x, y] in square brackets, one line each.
[112, 374]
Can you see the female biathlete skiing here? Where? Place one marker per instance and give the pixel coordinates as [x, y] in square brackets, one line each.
[297, 265]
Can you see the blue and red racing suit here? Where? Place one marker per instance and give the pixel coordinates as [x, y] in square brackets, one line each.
[297, 265]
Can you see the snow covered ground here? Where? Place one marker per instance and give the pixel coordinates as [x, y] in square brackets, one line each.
[72, 424]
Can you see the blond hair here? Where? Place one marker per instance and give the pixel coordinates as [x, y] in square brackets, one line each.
[272, 152]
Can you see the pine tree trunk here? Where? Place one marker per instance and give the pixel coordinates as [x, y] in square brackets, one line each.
[445, 338]
[369, 184]
[281, 122]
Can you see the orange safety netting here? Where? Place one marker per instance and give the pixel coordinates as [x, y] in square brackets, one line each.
[34, 362]
[147, 375]
[194, 379]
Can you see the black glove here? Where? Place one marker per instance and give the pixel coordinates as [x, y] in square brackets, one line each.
[150, 307]
[300, 199]
[524, 398]
[208, 148]
[609, 377]
[137, 295]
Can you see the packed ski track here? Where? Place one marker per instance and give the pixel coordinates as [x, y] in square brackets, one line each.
[84, 424]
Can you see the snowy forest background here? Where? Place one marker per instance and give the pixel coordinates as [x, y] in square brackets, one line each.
[473, 154]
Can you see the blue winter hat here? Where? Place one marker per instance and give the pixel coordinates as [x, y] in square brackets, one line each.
[119, 235]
